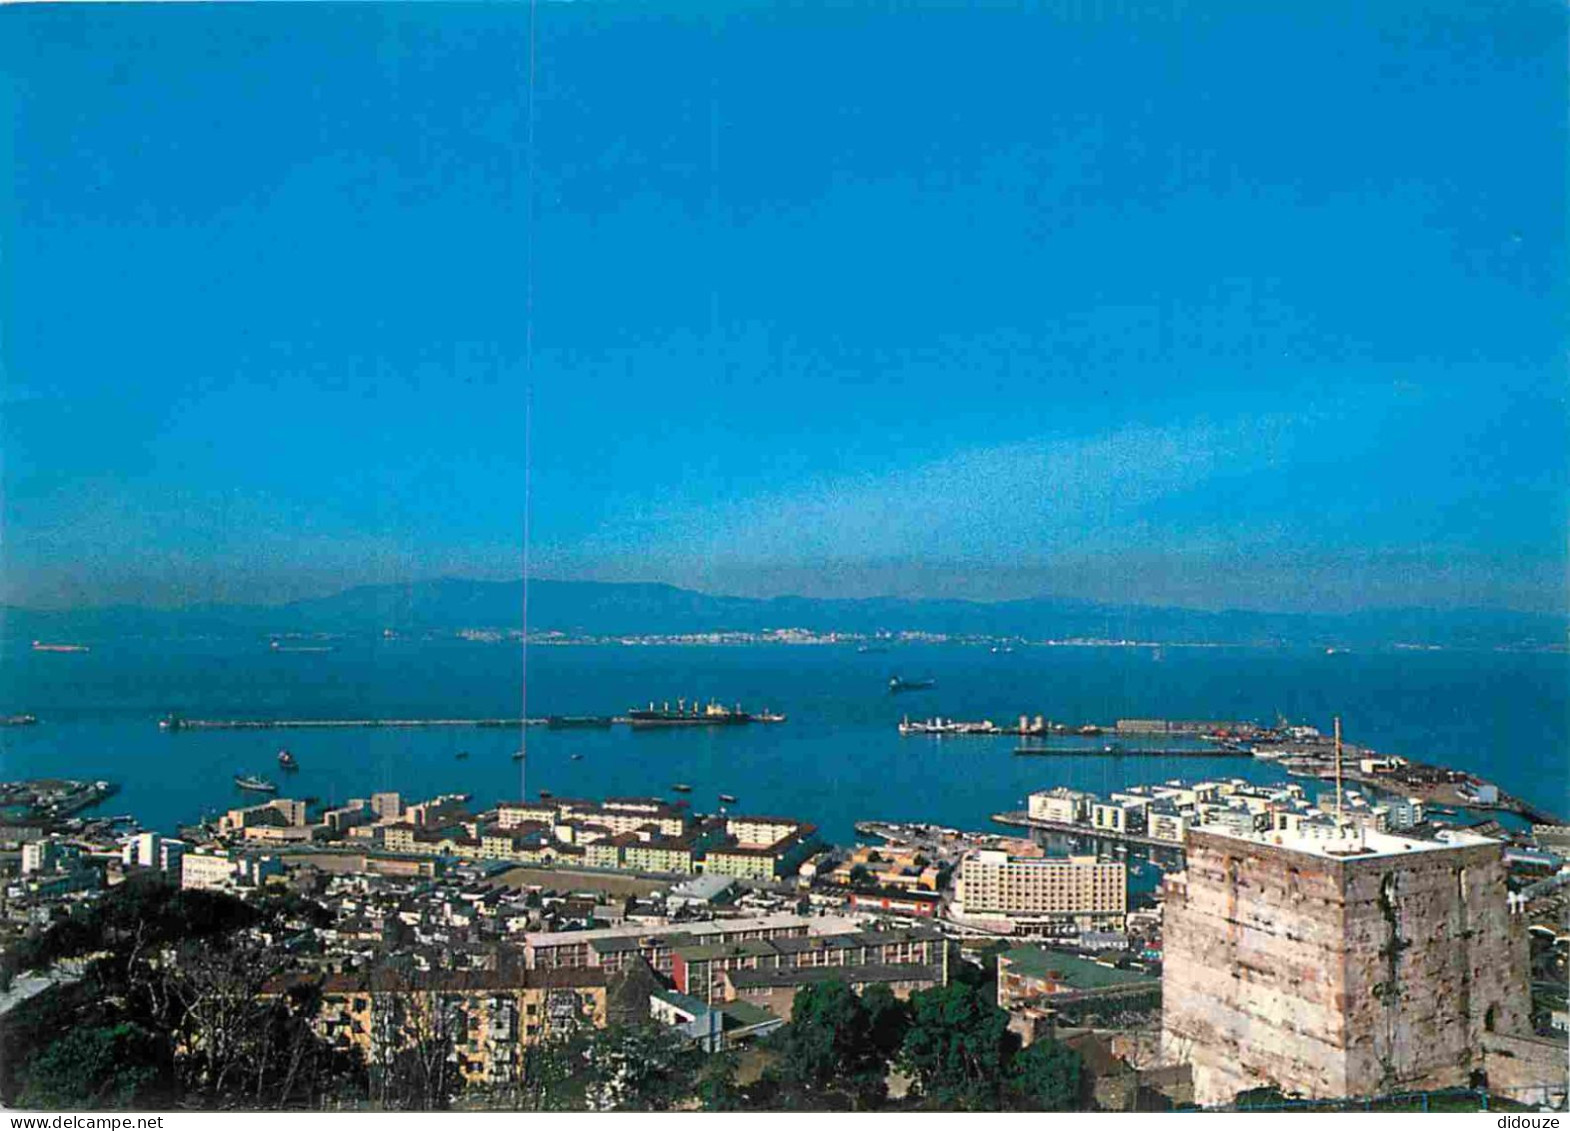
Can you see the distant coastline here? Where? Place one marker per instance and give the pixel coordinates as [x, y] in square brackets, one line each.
[578, 612]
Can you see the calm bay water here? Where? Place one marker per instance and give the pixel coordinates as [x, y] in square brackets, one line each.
[839, 759]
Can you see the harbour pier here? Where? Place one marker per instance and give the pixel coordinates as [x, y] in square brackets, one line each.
[174, 723]
[1132, 752]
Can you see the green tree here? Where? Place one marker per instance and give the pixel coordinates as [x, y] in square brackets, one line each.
[642, 1068]
[1048, 1076]
[1265, 1096]
[829, 1057]
[113, 1066]
[888, 1020]
[958, 1047]
[717, 1087]
[171, 1011]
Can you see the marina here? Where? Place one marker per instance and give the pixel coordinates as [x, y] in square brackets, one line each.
[1021, 819]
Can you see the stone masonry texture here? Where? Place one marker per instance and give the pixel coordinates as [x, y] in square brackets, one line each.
[1327, 977]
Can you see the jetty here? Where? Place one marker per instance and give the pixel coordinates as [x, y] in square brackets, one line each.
[1132, 752]
[174, 723]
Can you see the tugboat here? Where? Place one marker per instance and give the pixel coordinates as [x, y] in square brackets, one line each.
[254, 784]
[896, 684]
[286, 761]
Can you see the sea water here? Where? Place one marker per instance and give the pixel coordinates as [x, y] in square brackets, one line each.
[838, 759]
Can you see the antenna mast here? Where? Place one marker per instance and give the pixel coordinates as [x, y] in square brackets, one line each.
[1338, 772]
[528, 417]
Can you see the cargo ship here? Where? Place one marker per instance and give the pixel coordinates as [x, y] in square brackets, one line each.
[254, 784]
[577, 722]
[41, 646]
[713, 714]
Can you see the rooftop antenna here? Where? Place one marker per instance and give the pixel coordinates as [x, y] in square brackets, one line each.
[1338, 772]
[528, 413]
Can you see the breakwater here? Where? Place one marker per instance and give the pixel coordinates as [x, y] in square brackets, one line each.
[176, 724]
[1131, 752]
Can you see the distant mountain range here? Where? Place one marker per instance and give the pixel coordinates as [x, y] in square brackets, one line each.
[604, 608]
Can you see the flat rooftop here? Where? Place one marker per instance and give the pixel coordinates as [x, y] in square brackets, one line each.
[772, 977]
[816, 925]
[1353, 843]
[1070, 969]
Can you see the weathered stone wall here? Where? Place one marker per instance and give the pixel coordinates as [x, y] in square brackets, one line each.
[1252, 973]
[1534, 1070]
[1433, 960]
[1331, 977]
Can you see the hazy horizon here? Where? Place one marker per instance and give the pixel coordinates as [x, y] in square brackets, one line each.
[1043, 596]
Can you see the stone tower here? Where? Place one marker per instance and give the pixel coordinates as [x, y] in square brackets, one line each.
[1348, 964]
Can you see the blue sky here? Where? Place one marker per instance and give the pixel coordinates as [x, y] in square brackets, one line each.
[1174, 303]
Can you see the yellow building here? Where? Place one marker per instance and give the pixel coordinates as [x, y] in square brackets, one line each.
[742, 863]
[486, 1018]
[760, 830]
[510, 814]
[658, 854]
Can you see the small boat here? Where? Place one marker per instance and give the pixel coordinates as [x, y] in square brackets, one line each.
[19, 721]
[517, 755]
[463, 755]
[286, 761]
[871, 649]
[727, 798]
[896, 684]
[545, 795]
[171, 721]
[768, 717]
[254, 783]
[682, 787]
[577, 757]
